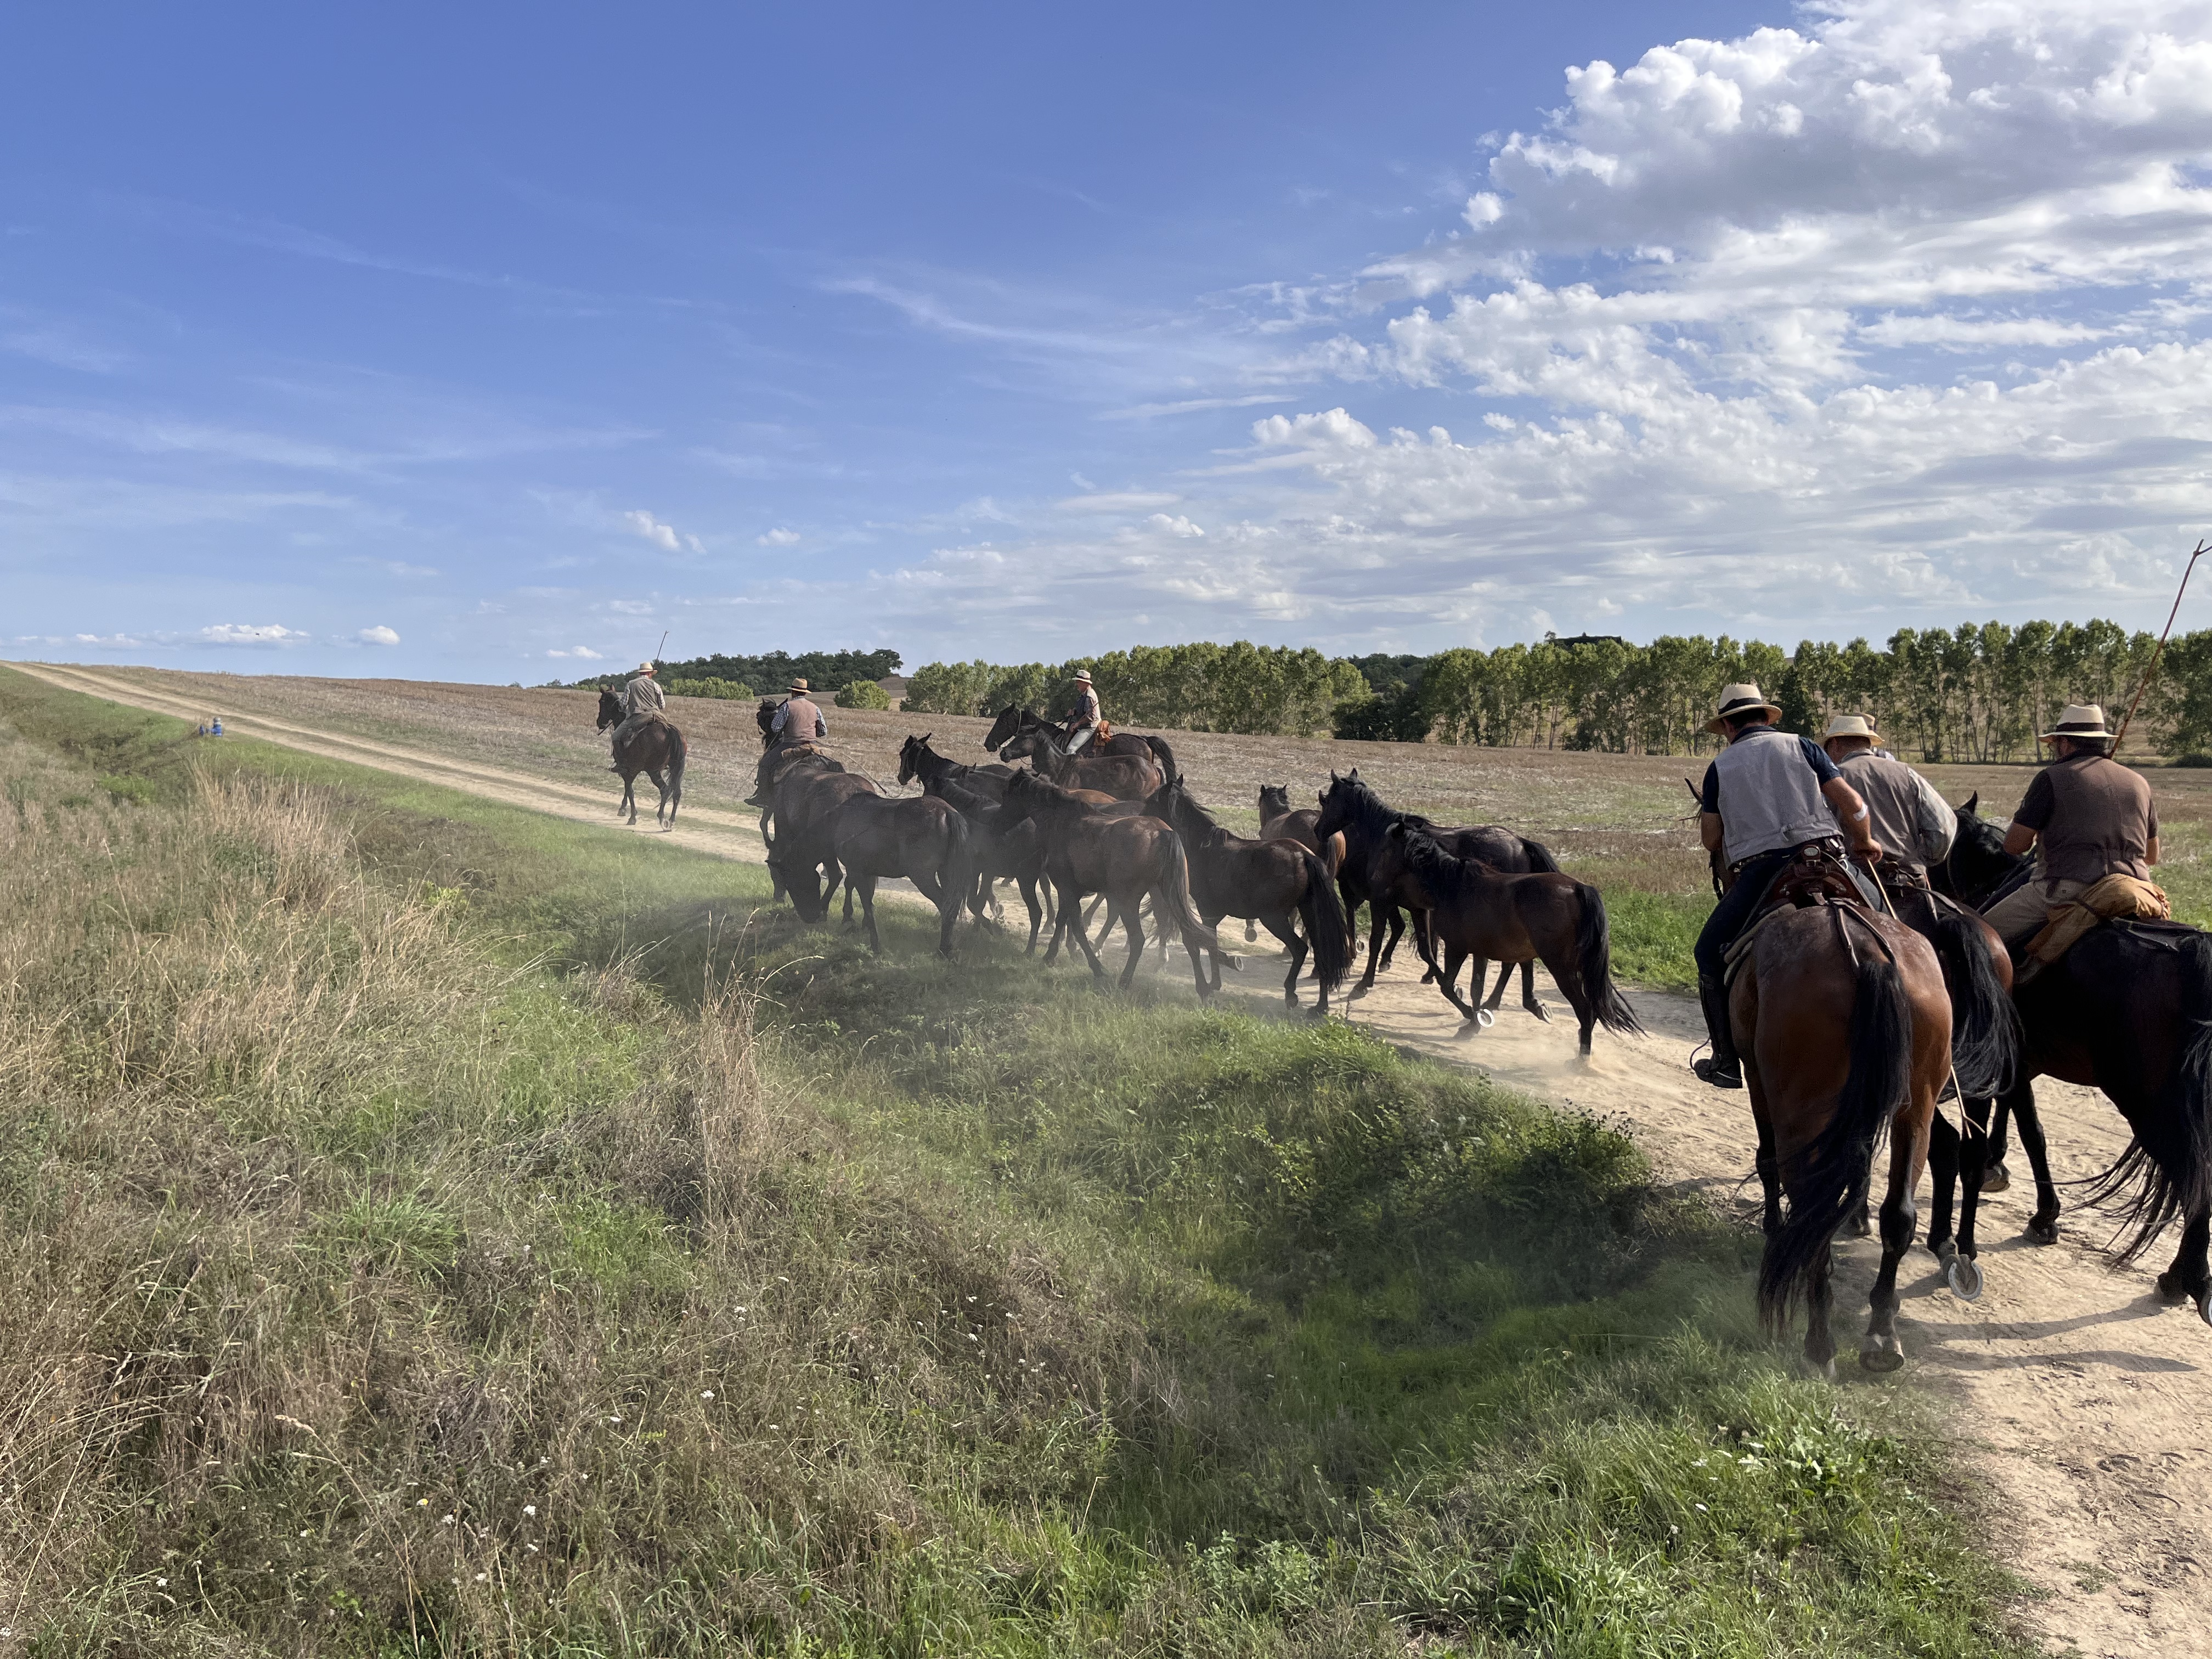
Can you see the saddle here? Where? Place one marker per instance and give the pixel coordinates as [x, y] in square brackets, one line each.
[1816, 876]
[2116, 899]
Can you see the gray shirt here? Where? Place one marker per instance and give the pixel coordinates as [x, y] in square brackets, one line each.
[643, 695]
[1765, 786]
[1913, 821]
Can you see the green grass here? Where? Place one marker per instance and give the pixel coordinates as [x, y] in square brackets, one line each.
[734, 1290]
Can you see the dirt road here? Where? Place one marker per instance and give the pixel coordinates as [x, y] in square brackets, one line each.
[2085, 1402]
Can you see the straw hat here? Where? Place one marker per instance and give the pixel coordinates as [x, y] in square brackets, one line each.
[2078, 719]
[797, 688]
[1851, 726]
[1083, 676]
[1740, 700]
[645, 668]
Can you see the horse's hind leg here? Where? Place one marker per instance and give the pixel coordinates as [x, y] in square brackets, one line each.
[1284, 929]
[1820, 1304]
[2043, 1226]
[1529, 1000]
[1943, 1172]
[1036, 911]
[1995, 1178]
[2190, 1275]
[1375, 925]
[1973, 1137]
[1880, 1350]
[867, 886]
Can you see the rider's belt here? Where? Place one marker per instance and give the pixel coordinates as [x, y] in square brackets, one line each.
[1831, 844]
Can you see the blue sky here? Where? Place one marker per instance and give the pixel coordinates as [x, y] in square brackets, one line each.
[467, 342]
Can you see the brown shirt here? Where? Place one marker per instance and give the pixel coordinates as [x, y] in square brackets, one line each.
[2093, 818]
[800, 721]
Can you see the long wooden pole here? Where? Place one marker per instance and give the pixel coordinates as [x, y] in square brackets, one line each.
[2151, 672]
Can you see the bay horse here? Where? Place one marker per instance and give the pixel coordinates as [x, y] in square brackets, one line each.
[1276, 883]
[1844, 1026]
[1014, 721]
[1350, 809]
[2128, 1010]
[1125, 777]
[999, 850]
[917, 760]
[1278, 823]
[918, 837]
[806, 791]
[657, 749]
[1127, 859]
[1476, 910]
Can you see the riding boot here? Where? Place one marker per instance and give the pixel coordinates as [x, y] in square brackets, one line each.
[1723, 1069]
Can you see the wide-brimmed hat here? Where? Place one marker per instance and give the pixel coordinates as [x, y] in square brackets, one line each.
[1740, 700]
[798, 687]
[1084, 675]
[2077, 720]
[1851, 726]
[645, 668]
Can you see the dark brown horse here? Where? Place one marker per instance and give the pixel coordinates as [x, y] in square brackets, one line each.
[1276, 883]
[1125, 858]
[806, 792]
[656, 749]
[1125, 777]
[1844, 1027]
[1349, 808]
[1278, 823]
[1015, 721]
[921, 839]
[1475, 911]
[999, 850]
[917, 760]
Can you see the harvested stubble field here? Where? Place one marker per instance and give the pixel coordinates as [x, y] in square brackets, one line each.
[434, 1227]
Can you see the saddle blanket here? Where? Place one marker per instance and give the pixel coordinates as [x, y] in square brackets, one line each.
[2115, 897]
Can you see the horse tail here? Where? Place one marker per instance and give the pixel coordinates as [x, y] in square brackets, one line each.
[1986, 1036]
[1180, 912]
[2167, 1169]
[1541, 861]
[1594, 957]
[1327, 931]
[677, 755]
[1162, 753]
[1837, 1167]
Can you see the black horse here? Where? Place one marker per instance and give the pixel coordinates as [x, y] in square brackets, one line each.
[1350, 808]
[2127, 1011]
[658, 749]
[1014, 721]
[917, 760]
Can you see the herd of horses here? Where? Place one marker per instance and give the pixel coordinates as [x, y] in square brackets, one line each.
[1853, 1021]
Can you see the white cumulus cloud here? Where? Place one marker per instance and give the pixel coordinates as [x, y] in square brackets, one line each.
[249, 634]
[379, 634]
[660, 534]
[778, 538]
[582, 652]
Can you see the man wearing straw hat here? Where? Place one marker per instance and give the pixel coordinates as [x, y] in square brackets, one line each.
[643, 702]
[797, 721]
[1913, 821]
[2086, 817]
[1082, 721]
[1769, 794]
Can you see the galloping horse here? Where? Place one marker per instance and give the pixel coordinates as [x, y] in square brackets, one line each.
[1270, 881]
[999, 850]
[1015, 721]
[1473, 910]
[1125, 777]
[1278, 823]
[1086, 851]
[1350, 809]
[919, 838]
[805, 792]
[1844, 1027]
[657, 749]
[918, 760]
[2127, 1011]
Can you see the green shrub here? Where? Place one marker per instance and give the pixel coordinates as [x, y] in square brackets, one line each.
[863, 694]
[726, 690]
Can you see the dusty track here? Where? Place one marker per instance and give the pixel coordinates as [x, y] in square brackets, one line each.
[2086, 1404]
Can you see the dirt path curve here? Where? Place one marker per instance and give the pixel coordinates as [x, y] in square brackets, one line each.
[2086, 1402]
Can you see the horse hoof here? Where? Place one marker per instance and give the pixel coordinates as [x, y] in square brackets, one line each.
[1234, 964]
[2039, 1232]
[1881, 1354]
[1540, 1012]
[1965, 1277]
[1997, 1179]
[1429, 978]
[1822, 1370]
[1857, 1227]
[1485, 1018]
[1356, 993]
[2170, 1287]
[1945, 1254]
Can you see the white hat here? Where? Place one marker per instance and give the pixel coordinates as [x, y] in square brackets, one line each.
[1084, 675]
[645, 668]
[1740, 700]
[1851, 726]
[2077, 720]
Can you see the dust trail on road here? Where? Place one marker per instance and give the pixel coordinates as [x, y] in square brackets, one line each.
[2084, 1402]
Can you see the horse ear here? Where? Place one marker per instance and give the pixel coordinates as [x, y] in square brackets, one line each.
[1354, 774]
[1333, 778]
[1973, 808]
[1395, 832]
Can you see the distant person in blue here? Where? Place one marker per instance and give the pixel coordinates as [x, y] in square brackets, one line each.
[216, 731]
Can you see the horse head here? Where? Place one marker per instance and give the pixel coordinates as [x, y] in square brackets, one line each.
[1275, 801]
[1977, 862]
[765, 717]
[610, 710]
[1336, 804]
[910, 754]
[1008, 723]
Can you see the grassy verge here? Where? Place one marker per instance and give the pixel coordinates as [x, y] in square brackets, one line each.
[373, 1288]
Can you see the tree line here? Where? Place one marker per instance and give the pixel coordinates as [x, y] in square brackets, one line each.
[1979, 692]
[741, 677]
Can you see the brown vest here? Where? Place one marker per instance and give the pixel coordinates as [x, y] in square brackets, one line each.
[799, 719]
[2101, 821]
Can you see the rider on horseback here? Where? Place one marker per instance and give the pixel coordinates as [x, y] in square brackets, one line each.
[2086, 816]
[1082, 721]
[1767, 798]
[1913, 822]
[643, 702]
[796, 725]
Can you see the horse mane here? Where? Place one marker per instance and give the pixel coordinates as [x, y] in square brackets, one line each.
[1426, 856]
[1210, 831]
[1371, 813]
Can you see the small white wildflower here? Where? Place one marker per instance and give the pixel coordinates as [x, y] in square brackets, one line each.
[741, 1311]
[530, 1509]
[532, 1548]
[160, 1583]
[617, 1418]
[481, 1577]
[775, 1425]
[1701, 1508]
[446, 1520]
[971, 1298]
[303, 1532]
[706, 1394]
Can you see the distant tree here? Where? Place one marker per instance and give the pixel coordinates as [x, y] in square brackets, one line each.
[863, 694]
